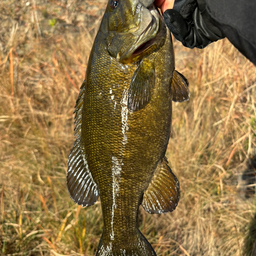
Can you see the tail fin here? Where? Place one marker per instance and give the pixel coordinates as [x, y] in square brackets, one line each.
[128, 246]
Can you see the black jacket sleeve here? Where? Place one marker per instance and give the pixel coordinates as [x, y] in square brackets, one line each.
[196, 23]
[238, 23]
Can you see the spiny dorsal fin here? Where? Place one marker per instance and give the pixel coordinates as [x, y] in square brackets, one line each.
[141, 86]
[162, 194]
[81, 186]
[179, 87]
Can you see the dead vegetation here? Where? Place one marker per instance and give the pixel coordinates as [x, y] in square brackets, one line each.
[44, 47]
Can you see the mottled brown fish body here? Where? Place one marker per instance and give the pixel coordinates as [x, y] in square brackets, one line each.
[123, 119]
[130, 144]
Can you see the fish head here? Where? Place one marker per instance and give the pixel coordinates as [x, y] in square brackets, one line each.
[134, 29]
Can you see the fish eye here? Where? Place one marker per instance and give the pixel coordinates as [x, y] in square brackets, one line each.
[114, 4]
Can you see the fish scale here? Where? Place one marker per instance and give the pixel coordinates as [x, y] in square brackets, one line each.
[122, 123]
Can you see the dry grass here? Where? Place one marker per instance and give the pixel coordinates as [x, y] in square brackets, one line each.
[44, 49]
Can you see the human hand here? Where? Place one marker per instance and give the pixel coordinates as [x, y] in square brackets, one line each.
[190, 23]
[164, 4]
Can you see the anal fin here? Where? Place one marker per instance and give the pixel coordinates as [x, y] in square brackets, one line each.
[179, 87]
[162, 194]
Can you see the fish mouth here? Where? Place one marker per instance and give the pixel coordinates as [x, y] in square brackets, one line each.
[147, 37]
[151, 30]
[148, 40]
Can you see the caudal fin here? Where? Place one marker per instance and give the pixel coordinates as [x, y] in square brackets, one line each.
[128, 246]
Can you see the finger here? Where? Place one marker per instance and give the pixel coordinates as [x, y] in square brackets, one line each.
[167, 4]
[159, 3]
[164, 4]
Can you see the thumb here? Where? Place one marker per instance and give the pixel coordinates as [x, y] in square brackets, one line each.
[164, 4]
[176, 24]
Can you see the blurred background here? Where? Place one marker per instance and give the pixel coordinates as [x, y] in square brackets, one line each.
[44, 49]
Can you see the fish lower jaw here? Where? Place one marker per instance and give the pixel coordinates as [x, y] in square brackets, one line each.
[146, 39]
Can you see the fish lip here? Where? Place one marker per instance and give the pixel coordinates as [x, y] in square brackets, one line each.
[147, 37]
[145, 45]
[152, 26]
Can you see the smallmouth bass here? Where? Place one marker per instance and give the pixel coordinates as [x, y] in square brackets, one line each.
[122, 124]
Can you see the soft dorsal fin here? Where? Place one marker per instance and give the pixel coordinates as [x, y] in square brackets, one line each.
[142, 84]
[162, 194]
[179, 87]
[81, 186]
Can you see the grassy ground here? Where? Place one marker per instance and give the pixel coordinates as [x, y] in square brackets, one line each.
[44, 48]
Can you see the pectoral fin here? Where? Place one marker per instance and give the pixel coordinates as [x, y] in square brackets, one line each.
[162, 194]
[81, 186]
[179, 87]
[141, 86]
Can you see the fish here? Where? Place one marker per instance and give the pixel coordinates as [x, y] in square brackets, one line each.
[122, 125]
